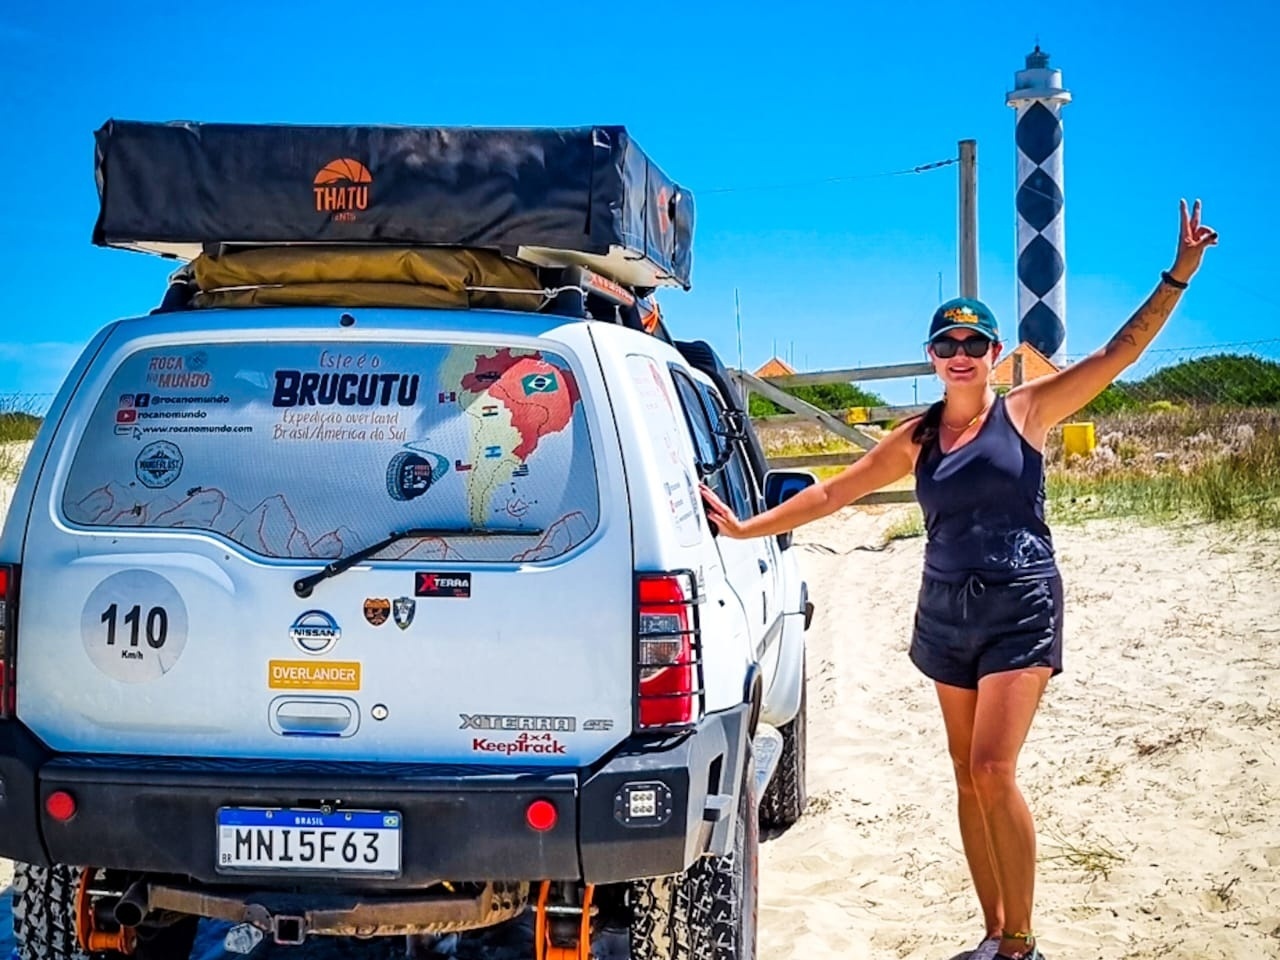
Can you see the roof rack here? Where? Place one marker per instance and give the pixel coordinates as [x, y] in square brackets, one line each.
[427, 277]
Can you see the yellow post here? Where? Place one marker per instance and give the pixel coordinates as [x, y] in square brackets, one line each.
[1078, 439]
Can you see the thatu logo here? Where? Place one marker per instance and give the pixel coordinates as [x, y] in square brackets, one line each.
[297, 389]
[342, 187]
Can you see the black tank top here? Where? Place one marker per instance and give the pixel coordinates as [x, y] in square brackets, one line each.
[984, 505]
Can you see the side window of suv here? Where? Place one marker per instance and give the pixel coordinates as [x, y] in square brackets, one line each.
[737, 474]
[704, 441]
[705, 413]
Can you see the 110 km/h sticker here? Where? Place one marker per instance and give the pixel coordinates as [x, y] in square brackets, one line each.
[134, 626]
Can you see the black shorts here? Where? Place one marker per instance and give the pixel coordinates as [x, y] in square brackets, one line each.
[965, 630]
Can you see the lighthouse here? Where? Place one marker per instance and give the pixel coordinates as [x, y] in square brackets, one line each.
[1038, 97]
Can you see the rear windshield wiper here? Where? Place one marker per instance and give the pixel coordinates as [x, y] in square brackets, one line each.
[304, 585]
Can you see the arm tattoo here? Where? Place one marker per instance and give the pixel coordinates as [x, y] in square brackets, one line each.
[1143, 326]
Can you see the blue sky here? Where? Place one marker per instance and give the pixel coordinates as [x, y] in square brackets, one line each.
[1172, 99]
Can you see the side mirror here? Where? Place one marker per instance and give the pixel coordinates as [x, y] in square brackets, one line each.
[779, 487]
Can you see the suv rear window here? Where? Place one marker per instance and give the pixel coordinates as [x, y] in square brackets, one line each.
[312, 450]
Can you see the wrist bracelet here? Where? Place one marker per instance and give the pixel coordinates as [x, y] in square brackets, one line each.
[1168, 278]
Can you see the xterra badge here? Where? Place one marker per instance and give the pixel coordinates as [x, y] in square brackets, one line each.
[500, 721]
[442, 584]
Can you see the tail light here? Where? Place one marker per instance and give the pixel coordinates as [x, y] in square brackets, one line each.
[8, 621]
[668, 655]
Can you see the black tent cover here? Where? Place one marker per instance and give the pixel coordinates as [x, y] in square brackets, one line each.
[585, 195]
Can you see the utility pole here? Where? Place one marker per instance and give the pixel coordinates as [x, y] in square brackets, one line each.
[737, 313]
[969, 218]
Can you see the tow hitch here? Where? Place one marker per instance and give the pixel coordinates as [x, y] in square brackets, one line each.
[97, 926]
[562, 931]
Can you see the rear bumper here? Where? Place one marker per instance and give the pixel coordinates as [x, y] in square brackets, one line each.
[459, 823]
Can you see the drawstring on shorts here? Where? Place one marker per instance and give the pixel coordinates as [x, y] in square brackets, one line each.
[973, 587]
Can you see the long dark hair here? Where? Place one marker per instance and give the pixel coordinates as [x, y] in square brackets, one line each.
[926, 429]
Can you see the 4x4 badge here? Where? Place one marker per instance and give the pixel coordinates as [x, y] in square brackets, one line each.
[403, 609]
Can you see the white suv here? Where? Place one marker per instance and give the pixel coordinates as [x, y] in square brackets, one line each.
[327, 620]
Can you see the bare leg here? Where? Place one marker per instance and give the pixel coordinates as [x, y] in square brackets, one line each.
[958, 706]
[1006, 704]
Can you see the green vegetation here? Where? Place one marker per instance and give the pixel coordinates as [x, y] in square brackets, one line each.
[1159, 463]
[18, 425]
[1116, 398]
[910, 525]
[1225, 378]
[1210, 463]
[1221, 379]
[825, 396]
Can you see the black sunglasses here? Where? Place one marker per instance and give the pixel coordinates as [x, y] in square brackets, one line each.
[947, 347]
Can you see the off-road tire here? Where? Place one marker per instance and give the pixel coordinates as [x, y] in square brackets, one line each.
[44, 911]
[44, 926]
[709, 912]
[786, 796]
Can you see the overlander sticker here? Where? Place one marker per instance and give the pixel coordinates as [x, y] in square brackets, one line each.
[309, 675]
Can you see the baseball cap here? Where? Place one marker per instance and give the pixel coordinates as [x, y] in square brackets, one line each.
[964, 313]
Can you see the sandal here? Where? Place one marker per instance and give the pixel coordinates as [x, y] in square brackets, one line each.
[1033, 949]
[986, 950]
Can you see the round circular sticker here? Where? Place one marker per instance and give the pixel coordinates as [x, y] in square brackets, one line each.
[158, 464]
[134, 626]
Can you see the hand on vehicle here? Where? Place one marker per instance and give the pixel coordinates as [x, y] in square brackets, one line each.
[719, 513]
[1193, 239]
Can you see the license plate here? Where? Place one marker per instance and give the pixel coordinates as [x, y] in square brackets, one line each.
[349, 841]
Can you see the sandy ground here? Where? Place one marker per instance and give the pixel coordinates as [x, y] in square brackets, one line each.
[1153, 768]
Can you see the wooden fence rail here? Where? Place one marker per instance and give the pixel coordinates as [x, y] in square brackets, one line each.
[840, 422]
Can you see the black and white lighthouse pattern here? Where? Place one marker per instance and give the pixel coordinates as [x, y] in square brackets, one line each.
[1042, 283]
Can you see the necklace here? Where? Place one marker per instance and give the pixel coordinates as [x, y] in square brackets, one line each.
[978, 416]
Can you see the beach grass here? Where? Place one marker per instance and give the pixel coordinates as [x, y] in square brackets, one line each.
[18, 427]
[1095, 858]
[906, 527]
[1162, 462]
[1212, 464]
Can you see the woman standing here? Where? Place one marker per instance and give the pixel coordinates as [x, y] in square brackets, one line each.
[988, 626]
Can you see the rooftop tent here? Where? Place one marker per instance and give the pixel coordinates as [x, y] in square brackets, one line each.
[585, 196]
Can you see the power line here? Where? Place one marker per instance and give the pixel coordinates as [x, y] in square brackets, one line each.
[828, 181]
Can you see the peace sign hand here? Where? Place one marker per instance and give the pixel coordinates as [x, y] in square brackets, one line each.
[1193, 239]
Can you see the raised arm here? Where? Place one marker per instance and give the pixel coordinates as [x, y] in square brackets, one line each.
[891, 459]
[1049, 400]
